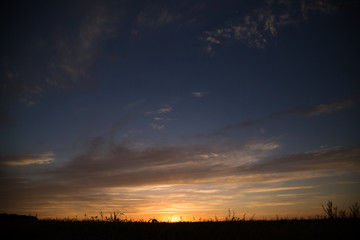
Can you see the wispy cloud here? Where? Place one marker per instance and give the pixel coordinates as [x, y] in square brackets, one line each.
[263, 146]
[154, 17]
[76, 53]
[320, 160]
[106, 164]
[160, 121]
[332, 107]
[323, 6]
[176, 165]
[165, 109]
[260, 26]
[199, 94]
[157, 126]
[127, 176]
[27, 159]
[64, 58]
[16, 86]
[134, 104]
[271, 204]
[300, 111]
[212, 40]
[163, 119]
[119, 165]
[30, 94]
[277, 189]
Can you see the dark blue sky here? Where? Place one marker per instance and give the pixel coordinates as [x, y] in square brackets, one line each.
[101, 91]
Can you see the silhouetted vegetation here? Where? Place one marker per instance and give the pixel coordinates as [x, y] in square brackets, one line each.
[15, 217]
[332, 226]
[332, 211]
[354, 211]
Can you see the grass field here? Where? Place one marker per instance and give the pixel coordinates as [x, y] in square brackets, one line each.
[335, 225]
[31, 228]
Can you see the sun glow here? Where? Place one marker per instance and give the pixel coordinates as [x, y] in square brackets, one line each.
[174, 219]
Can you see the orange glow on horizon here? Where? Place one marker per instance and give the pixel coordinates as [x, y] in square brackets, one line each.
[188, 203]
[178, 217]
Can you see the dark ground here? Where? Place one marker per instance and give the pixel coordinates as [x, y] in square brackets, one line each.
[31, 228]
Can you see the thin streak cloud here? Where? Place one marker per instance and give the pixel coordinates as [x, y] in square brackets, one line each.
[27, 159]
[199, 94]
[165, 109]
[261, 190]
[122, 166]
[299, 111]
[157, 126]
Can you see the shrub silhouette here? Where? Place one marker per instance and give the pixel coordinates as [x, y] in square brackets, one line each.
[354, 211]
[330, 210]
[153, 220]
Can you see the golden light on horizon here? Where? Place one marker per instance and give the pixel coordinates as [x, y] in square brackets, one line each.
[191, 202]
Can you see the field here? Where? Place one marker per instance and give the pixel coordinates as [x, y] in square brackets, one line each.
[32, 228]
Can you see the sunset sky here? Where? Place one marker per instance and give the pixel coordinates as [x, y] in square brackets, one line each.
[174, 109]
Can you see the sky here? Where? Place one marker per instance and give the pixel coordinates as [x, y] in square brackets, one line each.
[179, 109]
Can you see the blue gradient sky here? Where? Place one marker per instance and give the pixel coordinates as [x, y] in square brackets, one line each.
[186, 108]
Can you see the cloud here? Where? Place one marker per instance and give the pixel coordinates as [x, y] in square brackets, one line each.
[27, 159]
[15, 86]
[156, 17]
[63, 57]
[277, 189]
[163, 119]
[163, 110]
[335, 159]
[326, 7]
[263, 146]
[199, 94]
[134, 104]
[157, 126]
[120, 165]
[106, 164]
[330, 108]
[271, 204]
[76, 52]
[312, 111]
[160, 121]
[173, 166]
[260, 26]
[31, 94]
[125, 175]
[212, 40]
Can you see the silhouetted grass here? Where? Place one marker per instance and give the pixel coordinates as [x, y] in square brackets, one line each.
[280, 229]
[117, 227]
